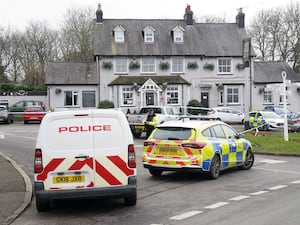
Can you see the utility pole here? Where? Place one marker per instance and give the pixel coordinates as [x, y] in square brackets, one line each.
[286, 134]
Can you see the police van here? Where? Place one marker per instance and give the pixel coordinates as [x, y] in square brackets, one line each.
[84, 154]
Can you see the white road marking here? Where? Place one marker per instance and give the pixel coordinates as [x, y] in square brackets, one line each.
[216, 205]
[186, 215]
[259, 193]
[277, 187]
[295, 182]
[2, 136]
[276, 171]
[271, 161]
[238, 198]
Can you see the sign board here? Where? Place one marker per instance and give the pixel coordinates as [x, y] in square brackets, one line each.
[246, 52]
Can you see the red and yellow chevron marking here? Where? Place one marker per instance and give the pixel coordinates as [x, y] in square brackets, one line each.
[109, 174]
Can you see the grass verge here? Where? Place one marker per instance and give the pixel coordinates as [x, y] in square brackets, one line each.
[273, 142]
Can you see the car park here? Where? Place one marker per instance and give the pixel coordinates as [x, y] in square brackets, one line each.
[227, 114]
[264, 120]
[191, 145]
[21, 105]
[5, 115]
[33, 114]
[277, 109]
[294, 122]
[77, 156]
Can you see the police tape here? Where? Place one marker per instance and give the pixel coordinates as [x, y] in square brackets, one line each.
[254, 128]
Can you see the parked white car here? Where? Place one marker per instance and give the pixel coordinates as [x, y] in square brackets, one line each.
[227, 114]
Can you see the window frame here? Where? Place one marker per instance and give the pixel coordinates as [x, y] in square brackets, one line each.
[267, 98]
[121, 62]
[148, 64]
[177, 64]
[74, 98]
[224, 66]
[233, 95]
[83, 94]
[127, 94]
[170, 92]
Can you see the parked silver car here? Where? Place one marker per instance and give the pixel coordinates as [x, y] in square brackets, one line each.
[227, 114]
[5, 115]
[294, 122]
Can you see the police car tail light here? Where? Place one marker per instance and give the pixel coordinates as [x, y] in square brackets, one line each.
[131, 156]
[195, 145]
[38, 163]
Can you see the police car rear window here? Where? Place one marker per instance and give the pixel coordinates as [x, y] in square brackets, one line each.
[173, 133]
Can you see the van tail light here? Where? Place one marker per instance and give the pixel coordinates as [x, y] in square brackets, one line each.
[194, 145]
[131, 156]
[38, 162]
[148, 143]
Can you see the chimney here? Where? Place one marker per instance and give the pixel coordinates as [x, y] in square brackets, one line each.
[240, 18]
[188, 16]
[99, 14]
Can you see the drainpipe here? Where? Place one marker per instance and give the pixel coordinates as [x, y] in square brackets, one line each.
[98, 74]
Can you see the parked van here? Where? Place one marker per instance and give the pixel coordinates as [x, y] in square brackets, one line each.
[84, 154]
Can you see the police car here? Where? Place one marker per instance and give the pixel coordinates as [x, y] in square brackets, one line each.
[203, 146]
[264, 120]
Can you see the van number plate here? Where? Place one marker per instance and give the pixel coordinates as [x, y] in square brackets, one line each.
[68, 179]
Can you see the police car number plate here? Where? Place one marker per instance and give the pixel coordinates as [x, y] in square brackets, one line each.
[68, 179]
[139, 127]
[167, 151]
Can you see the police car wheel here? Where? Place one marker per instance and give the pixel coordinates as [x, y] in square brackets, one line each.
[131, 200]
[248, 161]
[42, 205]
[155, 173]
[214, 172]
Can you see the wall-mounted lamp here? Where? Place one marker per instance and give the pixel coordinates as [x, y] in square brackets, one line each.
[164, 86]
[135, 86]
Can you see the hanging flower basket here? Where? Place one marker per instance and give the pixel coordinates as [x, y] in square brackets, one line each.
[240, 66]
[164, 65]
[192, 65]
[209, 66]
[107, 65]
[134, 65]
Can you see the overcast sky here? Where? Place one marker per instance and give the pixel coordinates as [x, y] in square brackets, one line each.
[18, 13]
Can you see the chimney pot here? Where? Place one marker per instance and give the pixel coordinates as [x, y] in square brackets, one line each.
[240, 18]
[188, 16]
[99, 14]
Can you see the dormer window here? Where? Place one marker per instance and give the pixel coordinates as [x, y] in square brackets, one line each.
[119, 33]
[178, 34]
[149, 34]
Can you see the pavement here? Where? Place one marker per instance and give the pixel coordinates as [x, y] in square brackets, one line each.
[15, 190]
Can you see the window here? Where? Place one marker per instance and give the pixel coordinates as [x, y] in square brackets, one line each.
[127, 96]
[172, 95]
[224, 66]
[233, 95]
[119, 34]
[178, 34]
[149, 34]
[281, 99]
[71, 98]
[148, 65]
[221, 94]
[230, 132]
[88, 99]
[267, 96]
[121, 65]
[219, 131]
[177, 65]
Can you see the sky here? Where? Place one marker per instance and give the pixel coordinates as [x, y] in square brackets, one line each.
[18, 14]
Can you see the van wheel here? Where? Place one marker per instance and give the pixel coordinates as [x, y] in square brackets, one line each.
[131, 200]
[42, 206]
[248, 161]
[155, 173]
[214, 171]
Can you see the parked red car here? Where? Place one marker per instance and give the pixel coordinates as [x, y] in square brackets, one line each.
[33, 113]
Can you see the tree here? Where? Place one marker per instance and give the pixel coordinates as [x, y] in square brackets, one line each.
[4, 61]
[278, 37]
[76, 35]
